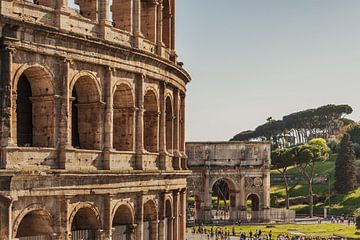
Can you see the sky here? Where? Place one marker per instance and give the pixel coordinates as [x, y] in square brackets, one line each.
[252, 59]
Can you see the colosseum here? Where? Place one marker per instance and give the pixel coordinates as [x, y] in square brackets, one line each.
[92, 121]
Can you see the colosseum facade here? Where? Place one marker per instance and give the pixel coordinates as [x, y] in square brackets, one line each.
[92, 121]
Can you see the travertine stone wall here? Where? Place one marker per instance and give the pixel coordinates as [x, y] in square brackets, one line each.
[90, 140]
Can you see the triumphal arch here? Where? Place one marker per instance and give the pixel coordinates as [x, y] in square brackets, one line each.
[237, 173]
[92, 121]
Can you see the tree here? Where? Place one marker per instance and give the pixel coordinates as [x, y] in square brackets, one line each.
[345, 168]
[281, 160]
[354, 132]
[300, 127]
[306, 156]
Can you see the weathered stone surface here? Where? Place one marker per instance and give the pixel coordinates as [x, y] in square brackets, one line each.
[92, 121]
[245, 167]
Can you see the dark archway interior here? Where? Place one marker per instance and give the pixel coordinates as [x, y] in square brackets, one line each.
[24, 124]
[221, 192]
[122, 222]
[123, 120]
[35, 224]
[74, 123]
[151, 118]
[169, 125]
[85, 224]
[253, 202]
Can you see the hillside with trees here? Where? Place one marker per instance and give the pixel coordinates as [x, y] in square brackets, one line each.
[314, 154]
[325, 122]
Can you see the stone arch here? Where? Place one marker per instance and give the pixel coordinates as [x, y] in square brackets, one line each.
[169, 115]
[224, 189]
[148, 19]
[121, 14]
[167, 23]
[150, 220]
[86, 109]
[253, 202]
[151, 121]
[84, 221]
[122, 221]
[34, 107]
[123, 120]
[33, 222]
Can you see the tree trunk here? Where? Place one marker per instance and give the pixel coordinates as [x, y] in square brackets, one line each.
[311, 200]
[287, 200]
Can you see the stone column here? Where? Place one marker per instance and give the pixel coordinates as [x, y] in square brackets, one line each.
[183, 214]
[182, 133]
[136, 25]
[65, 114]
[162, 132]
[176, 144]
[6, 137]
[108, 126]
[266, 191]
[107, 217]
[207, 197]
[104, 16]
[139, 218]
[176, 209]
[6, 76]
[162, 217]
[235, 205]
[61, 13]
[243, 205]
[139, 140]
[159, 27]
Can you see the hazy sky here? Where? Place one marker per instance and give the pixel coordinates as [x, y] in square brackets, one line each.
[251, 59]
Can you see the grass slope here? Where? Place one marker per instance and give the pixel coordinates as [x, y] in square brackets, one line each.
[340, 204]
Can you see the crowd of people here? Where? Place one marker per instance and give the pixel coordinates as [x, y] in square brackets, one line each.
[227, 233]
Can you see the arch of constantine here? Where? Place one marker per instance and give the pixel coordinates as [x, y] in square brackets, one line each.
[231, 181]
[92, 107]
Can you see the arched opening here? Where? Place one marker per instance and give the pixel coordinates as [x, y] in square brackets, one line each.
[24, 113]
[168, 221]
[123, 121]
[87, 9]
[86, 115]
[85, 224]
[169, 125]
[121, 14]
[151, 122]
[122, 224]
[167, 22]
[253, 203]
[35, 109]
[223, 199]
[148, 19]
[150, 221]
[35, 225]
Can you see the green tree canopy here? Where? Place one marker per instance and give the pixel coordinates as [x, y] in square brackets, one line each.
[300, 127]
